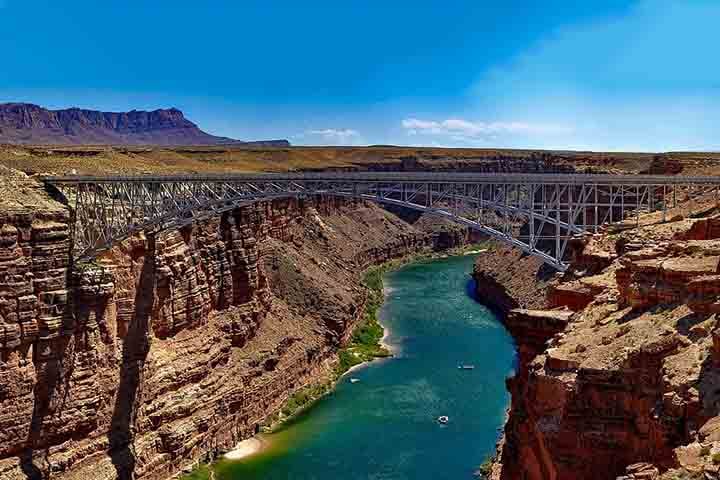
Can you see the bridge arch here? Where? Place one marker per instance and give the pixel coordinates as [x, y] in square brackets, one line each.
[538, 214]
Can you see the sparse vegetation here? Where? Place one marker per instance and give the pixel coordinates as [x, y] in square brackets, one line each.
[365, 345]
[485, 468]
[366, 339]
[88, 266]
[228, 158]
[201, 472]
[304, 397]
[683, 475]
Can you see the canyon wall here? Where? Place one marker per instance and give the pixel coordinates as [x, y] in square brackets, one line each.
[618, 374]
[172, 346]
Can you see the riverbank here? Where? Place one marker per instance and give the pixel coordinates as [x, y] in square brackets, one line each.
[367, 343]
[365, 346]
[385, 423]
[367, 340]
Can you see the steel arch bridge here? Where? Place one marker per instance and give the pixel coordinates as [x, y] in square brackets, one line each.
[538, 213]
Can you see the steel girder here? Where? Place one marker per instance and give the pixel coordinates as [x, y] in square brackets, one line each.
[537, 213]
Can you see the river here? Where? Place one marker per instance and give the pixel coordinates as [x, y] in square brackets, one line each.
[385, 426]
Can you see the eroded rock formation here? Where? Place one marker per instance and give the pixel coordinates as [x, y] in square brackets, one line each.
[172, 346]
[618, 373]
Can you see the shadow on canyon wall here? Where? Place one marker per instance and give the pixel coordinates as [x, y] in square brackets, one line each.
[136, 347]
[54, 360]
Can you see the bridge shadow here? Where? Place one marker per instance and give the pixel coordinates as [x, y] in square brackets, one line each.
[136, 347]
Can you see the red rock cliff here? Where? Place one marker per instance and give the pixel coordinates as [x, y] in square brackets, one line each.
[172, 346]
[617, 374]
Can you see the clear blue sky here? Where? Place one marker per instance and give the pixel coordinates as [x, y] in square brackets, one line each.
[605, 75]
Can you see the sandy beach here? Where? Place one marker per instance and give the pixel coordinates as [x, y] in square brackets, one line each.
[246, 448]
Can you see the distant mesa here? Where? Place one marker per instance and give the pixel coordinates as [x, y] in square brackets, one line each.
[28, 124]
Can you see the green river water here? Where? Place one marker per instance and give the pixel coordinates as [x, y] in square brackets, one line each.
[384, 426]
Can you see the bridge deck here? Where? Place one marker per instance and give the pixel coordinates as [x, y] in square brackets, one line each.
[420, 177]
[526, 210]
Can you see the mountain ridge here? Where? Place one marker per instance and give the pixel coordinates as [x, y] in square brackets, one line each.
[30, 124]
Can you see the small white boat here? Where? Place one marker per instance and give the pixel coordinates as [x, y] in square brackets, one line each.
[443, 419]
[354, 380]
[466, 367]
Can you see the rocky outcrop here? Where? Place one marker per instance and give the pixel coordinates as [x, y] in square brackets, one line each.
[701, 229]
[625, 384]
[506, 279]
[173, 346]
[638, 471]
[664, 164]
[24, 123]
[670, 273]
[535, 328]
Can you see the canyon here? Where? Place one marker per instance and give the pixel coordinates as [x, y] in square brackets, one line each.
[175, 346]
[171, 348]
[303, 241]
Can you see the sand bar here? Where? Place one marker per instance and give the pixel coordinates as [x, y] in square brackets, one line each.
[246, 448]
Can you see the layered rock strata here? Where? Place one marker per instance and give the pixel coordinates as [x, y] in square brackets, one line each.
[618, 370]
[172, 346]
[505, 279]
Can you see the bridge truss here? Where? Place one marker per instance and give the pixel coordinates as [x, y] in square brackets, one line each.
[538, 213]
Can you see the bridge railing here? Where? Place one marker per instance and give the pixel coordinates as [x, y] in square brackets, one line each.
[538, 213]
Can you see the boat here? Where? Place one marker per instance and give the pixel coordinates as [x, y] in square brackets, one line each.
[443, 419]
[354, 380]
[466, 367]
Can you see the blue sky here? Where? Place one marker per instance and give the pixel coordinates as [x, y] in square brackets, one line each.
[603, 75]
